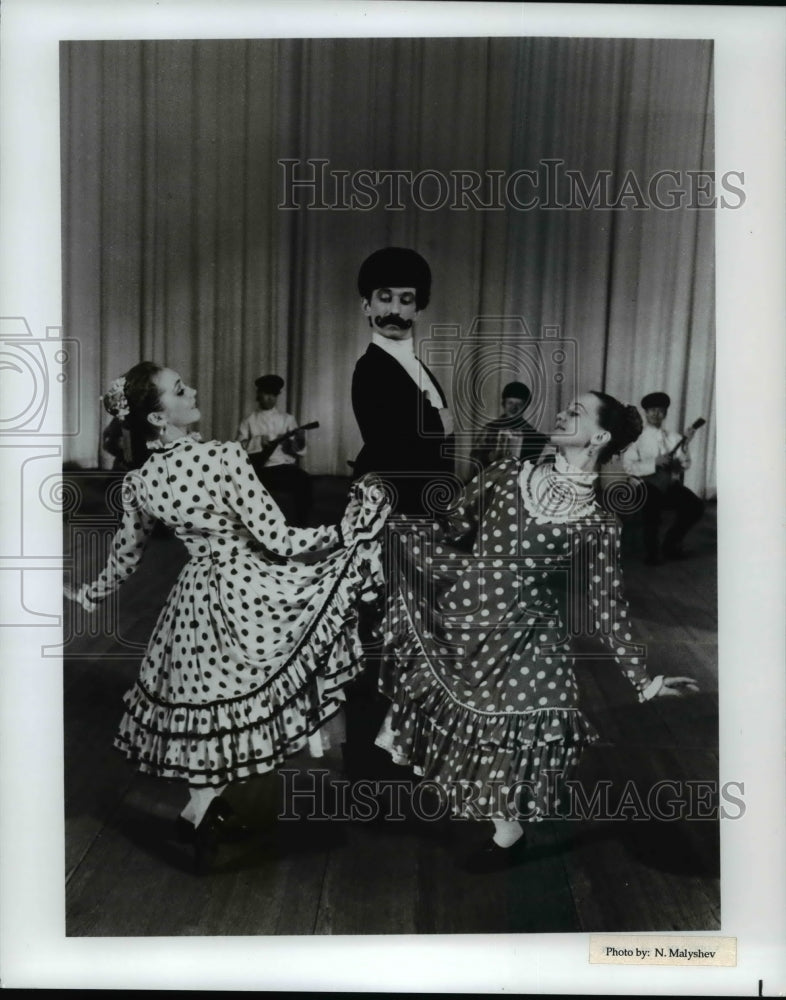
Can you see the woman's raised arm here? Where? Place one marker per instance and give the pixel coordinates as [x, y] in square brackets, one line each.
[126, 550]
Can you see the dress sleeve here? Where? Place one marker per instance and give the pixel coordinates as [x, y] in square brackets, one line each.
[367, 510]
[460, 525]
[248, 498]
[597, 583]
[127, 547]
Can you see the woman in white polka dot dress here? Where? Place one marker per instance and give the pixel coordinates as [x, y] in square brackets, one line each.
[478, 651]
[250, 653]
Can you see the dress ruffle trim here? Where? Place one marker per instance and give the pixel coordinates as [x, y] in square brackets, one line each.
[556, 497]
[419, 692]
[487, 753]
[236, 738]
[484, 780]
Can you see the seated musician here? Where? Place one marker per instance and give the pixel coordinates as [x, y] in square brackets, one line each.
[274, 447]
[510, 436]
[659, 458]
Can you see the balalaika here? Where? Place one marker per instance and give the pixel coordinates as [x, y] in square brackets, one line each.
[665, 475]
[264, 454]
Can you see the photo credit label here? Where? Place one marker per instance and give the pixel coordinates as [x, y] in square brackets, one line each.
[662, 949]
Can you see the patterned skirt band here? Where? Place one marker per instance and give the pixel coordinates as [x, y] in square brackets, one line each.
[238, 550]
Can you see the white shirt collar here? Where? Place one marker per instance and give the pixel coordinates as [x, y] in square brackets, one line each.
[398, 348]
[403, 351]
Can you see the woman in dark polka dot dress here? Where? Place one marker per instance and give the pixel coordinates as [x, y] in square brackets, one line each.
[254, 645]
[484, 699]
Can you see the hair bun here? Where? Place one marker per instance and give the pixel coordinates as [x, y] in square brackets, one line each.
[632, 427]
[621, 420]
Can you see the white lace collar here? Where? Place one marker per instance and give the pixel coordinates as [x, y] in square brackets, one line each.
[577, 475]
[555, 491]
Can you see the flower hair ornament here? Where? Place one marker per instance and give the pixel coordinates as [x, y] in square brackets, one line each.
[114, 399]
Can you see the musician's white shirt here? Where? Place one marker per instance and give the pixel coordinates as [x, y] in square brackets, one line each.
[268, 424]
[639, 458]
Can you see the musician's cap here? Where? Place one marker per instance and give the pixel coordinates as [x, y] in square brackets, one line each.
[655, 400]
[517, 390]
[269, 383]
[396, 267]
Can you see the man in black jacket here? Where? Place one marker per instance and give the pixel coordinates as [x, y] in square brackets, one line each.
[400, 407]
[407, 430]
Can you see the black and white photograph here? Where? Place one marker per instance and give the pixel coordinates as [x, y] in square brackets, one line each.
[412, 587]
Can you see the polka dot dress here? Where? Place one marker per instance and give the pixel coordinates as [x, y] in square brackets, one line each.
[251, 651]
[478, 646]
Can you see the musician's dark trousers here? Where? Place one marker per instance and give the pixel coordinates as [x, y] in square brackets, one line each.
[291, 488]
[679, 498]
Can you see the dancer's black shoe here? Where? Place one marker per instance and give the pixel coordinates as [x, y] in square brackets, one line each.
[490, 857]
[219, 824]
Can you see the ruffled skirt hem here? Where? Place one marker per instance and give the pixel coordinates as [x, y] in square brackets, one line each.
[506, 765]
[233, 739]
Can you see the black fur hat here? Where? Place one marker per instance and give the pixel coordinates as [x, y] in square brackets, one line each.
[656, 400]
[517, 390]
[269, 383]
[396, 267]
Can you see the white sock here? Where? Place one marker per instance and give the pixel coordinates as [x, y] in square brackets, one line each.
[197, 805]
[507, 832]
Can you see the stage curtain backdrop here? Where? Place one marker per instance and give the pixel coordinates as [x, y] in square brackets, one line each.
[175, 246]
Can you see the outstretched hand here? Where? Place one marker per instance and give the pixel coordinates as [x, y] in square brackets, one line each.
[367, 509]
[78, 597]
[371, 489]
[677, 687]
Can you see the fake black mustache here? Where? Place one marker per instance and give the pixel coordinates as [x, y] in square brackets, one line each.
[402, 324]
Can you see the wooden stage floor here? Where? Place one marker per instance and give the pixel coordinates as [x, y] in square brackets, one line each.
[127, 875]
